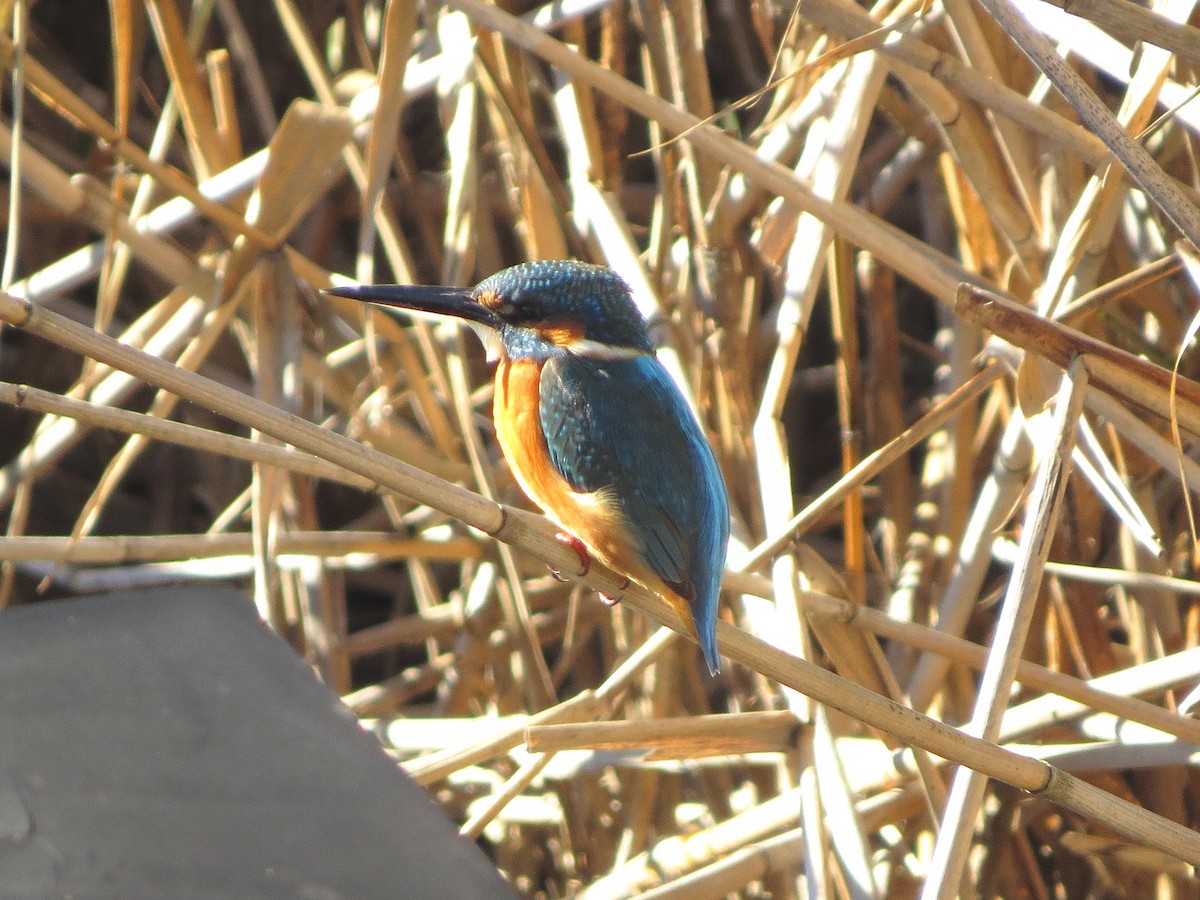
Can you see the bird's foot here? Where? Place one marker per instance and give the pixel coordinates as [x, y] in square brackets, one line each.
[581, 550]
[609, 600]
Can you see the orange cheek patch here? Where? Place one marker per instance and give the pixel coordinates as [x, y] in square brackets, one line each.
[562, 333]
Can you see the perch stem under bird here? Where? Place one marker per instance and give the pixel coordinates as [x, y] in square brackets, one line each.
[594, 429]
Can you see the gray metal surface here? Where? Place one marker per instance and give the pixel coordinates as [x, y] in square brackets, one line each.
[166, 744]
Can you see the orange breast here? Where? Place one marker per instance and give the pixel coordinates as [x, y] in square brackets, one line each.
[591, 517]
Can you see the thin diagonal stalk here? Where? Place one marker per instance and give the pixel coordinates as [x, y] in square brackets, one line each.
[1012, 628]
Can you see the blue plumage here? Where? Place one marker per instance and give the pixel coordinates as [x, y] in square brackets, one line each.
[621, 427]
[593, 427]
[593, 297]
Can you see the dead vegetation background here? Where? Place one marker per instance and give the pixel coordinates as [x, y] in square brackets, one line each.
[925, 312]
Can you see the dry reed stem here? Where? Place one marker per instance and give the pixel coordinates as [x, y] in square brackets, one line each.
[973, 655]
[672, 738]
[933, 271]
[800, 675]
[874, 463]
[204, 439]
[192, 197]
[1139, 25]
[163, 547]
[1116, 372]
[1012, 629]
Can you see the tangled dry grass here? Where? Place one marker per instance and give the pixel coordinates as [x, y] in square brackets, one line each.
[928, 272]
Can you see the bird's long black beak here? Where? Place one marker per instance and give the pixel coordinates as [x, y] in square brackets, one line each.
[442, 301]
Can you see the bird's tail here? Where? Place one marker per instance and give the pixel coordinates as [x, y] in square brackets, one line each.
[704, 615]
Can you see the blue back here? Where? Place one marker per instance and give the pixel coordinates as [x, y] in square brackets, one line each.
[621, 425]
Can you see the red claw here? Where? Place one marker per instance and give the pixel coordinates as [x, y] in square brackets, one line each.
[608, 600]
[585, 563]
[581, 550]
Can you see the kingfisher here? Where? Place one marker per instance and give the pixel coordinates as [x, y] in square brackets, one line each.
[594, 429]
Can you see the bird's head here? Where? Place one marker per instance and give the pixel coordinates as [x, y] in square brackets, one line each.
[537, 310]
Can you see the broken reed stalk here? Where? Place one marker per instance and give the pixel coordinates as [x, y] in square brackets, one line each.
[1112, 370]
[1012, 630]
[534, 536]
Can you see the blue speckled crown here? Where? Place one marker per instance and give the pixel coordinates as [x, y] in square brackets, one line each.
[595, 297]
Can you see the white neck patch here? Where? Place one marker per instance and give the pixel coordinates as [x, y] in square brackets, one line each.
[596, 350]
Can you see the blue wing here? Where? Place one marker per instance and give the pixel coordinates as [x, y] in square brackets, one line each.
[621, 425]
